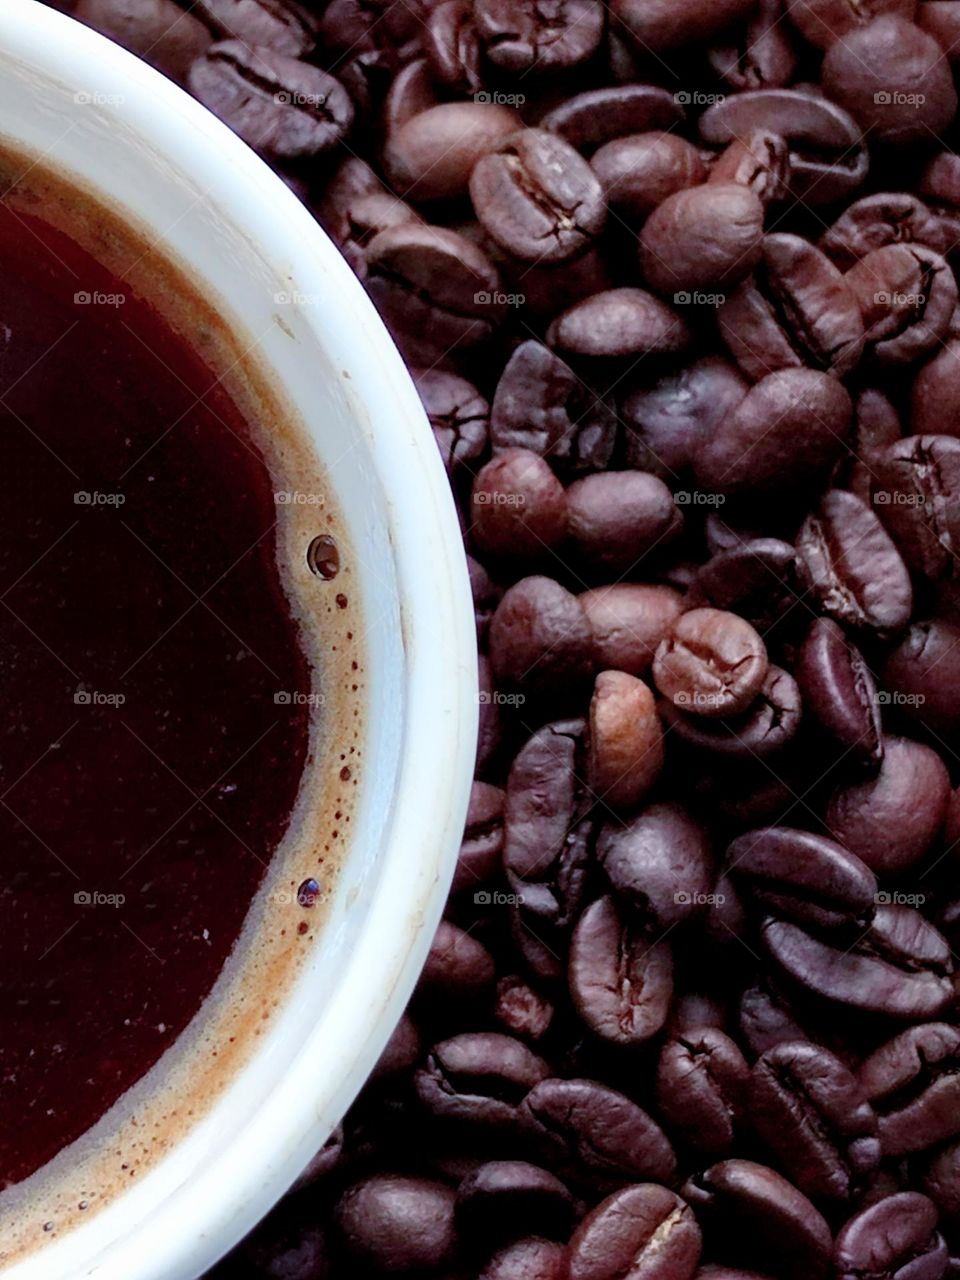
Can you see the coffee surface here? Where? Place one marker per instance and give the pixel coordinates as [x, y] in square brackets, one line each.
[155, 720]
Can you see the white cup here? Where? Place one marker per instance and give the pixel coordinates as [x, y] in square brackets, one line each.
[97, 115]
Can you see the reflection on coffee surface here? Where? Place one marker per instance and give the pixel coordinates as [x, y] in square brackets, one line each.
[154, 728]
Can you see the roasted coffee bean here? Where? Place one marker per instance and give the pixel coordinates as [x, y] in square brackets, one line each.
[540, 638]
[489, 729]
[828, 158]
[542, 800]
[507, 1199]
[281, 25]
[880, 220]
[159, 31]
[590, 119]
[764, 1021]
[396, 1223]
[521, 1010]
[764, 56]
[458, 413]
[401, 1055]
[666, 423]
[914, 1084]
[616, 519]
[451, 44]
[921, 676]
[935, 400]
[796, 311]
[907, 294]
[760, 1211]
[711, 664]
[530, 1259]
[366, 216]
[757, 579]
[619, 323]
[621, 983]
[893, 78]
[660, 864]
[701, 1088]
[479, 1078]
[838, 690]
[798, 875]
[638, 172]
[894, 1239]
[787, 431]
[916, 492]
[813, 1114]
[284, 108]
[764, 729]
[899, 968]
[592, 1133]
[876, 425]
[626, 740]
[760, 161]
[659, 25]
[540, 404]
[458, 967]
[703, 238]
[628, 621]
[411, 91]
[893, 819]
[728, 1273]
[431, 155]
[941, 1182]
[850, 566]
[519, 507]
[823, 22]
[520, 36]
[640, 1231]
[537, 197]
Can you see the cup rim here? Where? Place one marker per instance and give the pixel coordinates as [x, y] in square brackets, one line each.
[211, 1210]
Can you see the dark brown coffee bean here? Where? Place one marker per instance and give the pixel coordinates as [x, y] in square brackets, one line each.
[941, 1182]
[592, 1133]
[712, 663]
[158, 31]
[545, 37]
[543, 800]
[398, 1224]
[619, 323]
[900, 968]
[701, 1088]
[486, 593]
[489, 730]
[458, 967]
[626, 740]
[507, 1199]
[537, 197]
[894, 1239]
[458, 413]
[914, 1083]
[530, 1259]
[851, 567]
[366, 216]
[411, 91]
[659, 864]
[352, 180]
[880, 220]
[620, 982]
[823, 22]
[761, 1212]
[658, 25]
[519, 507]
[451, 43]
[760, 161]
[893, 78]
[590, 119]
[479, 1078]
[666, 422]
[828, 158]
[640, 1233]
[281, 25]
[787, 431]
[521, 1010]
[540, 404]
[435, 289]
[876, 426]
[757, 579]
[432, 155]
[284, 108]
[921, 677]
[617, 519]
[839, 692]
[916, 493]
[628, 622]
[703, 238]
[907, 294]
[800, 876]
[763, 57]
[764, 1021]
[795, 311]
[401, 1054]
[768, 725]
[892, 820]
[540, 638]
[935, 400]
[638, 172]
[812, 1113]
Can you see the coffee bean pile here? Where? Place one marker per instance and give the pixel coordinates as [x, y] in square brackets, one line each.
[675, 280]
